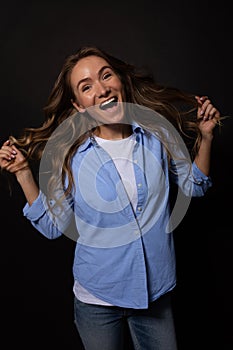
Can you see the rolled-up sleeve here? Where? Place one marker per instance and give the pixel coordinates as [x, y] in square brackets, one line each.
[192, 181]
[51, 225]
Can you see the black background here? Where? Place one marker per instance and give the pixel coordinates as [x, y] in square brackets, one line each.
[184, 44]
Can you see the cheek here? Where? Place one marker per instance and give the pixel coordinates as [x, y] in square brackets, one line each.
[120, 87]
[118, 84]
[85, 101]
[122, 91]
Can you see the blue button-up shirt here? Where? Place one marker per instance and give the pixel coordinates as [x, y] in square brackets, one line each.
[122, 256]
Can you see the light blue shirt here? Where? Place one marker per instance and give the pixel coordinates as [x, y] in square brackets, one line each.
[123, 256]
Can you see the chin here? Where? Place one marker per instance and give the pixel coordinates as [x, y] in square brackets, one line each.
[113, 115]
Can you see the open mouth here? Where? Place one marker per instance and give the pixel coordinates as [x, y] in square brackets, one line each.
[112, 102]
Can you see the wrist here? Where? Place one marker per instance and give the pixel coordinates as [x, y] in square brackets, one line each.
[24, 175]
[207, 137]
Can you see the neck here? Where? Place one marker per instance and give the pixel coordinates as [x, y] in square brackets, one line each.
[113, 131]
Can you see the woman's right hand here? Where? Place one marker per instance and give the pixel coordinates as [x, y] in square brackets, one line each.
[12, 159]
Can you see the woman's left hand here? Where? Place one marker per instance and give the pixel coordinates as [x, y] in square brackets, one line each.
[208, 115]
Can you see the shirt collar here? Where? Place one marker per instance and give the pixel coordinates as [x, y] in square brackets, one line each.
[90, 141]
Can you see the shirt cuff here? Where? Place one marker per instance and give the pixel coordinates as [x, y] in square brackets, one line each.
[34, 211]
[199, 177]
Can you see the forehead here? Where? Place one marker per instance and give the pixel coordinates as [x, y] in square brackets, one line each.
[87, 67]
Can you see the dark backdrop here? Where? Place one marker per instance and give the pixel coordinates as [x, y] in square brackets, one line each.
[184, 44]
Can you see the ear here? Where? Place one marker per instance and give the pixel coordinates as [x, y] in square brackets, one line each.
[78, 108]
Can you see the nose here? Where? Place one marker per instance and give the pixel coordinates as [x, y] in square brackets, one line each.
[102, 90]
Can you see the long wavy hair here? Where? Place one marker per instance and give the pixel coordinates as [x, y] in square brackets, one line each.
[177, 106]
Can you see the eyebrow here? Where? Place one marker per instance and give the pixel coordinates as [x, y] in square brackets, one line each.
[87, 79]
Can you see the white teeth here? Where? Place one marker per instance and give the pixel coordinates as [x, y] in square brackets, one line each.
[105, 103]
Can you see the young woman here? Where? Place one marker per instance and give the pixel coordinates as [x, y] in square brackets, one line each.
[112, 142]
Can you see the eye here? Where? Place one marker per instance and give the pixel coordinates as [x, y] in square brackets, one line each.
[86, 88]
[107, 75]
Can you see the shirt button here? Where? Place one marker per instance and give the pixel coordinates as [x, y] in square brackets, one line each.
[139, 208]
[139, 185]
[135, 161]
[136, 232]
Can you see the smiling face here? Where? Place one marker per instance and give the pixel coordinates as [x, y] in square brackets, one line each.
[98, 89]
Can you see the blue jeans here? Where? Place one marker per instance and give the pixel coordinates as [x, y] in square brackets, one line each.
[102, 327]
